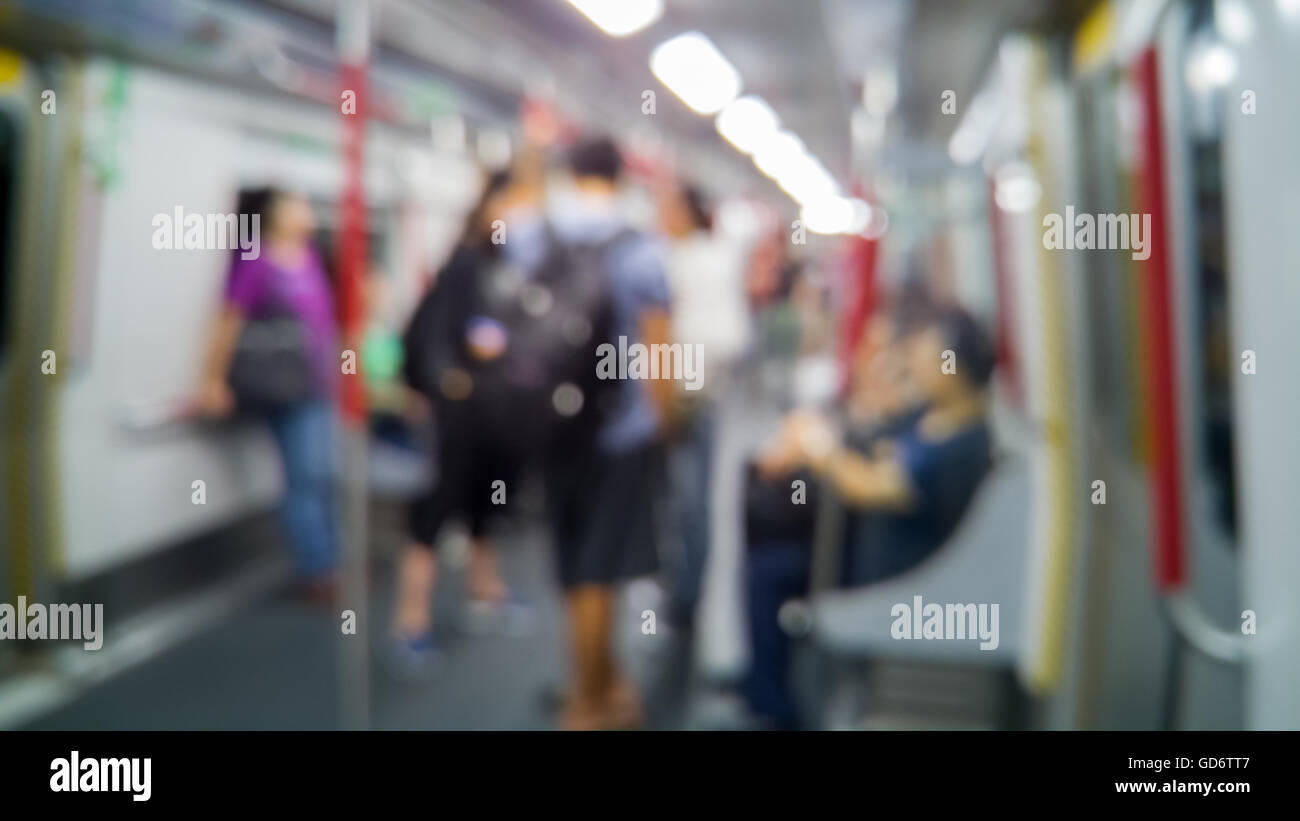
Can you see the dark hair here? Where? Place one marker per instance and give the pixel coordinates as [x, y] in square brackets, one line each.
[701, 214]
[911, 306]
[260, 200]
[786, 276]
[471, 236]
[596, 157]
[968, 342]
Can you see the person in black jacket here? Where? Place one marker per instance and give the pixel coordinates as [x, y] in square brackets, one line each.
[453, 351]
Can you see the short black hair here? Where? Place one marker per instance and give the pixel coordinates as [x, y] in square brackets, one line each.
[701, 214]
[259, 200]
[596, 157]
[969, 343]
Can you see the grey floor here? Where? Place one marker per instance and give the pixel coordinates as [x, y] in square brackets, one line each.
[275, 664]
[275, 661]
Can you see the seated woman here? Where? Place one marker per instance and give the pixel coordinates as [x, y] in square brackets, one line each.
[926, 478]
[906, 480]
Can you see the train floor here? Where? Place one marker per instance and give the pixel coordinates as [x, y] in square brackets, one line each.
[277, 663]
[272, 660]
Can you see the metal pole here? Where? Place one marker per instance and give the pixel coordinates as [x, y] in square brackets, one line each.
[353, 31]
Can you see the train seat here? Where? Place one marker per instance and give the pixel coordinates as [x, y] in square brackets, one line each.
[984, 563]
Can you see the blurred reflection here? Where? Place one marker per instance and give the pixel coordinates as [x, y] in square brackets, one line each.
[637, 424]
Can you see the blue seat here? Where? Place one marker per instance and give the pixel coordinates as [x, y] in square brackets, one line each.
[985, 561]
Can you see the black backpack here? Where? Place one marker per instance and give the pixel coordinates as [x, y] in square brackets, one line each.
[557, 318]
[434, 341]
[544, 390]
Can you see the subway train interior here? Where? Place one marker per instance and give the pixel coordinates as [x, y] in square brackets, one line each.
[947, 372]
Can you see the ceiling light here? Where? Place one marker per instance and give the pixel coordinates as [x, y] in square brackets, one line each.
[836, 215]
[693, 69]
[619, 18]
[807, 179]
[747, 123]
[777, 154]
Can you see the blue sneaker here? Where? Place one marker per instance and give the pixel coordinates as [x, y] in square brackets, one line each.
[412, 658]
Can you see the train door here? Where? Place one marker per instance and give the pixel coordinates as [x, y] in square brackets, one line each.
[1261, 196]
[1206, 691]
[29, 362]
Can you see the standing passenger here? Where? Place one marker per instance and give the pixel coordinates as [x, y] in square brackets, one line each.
[603, 485]
[285, 285]
[453, 355]
[710, 320]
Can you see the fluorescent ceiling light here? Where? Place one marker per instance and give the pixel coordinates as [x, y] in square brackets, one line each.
[836, 215]
[747, 123]
[806, 179]
[619, 18]
[693, 69]
[783, 159]
[778, 155]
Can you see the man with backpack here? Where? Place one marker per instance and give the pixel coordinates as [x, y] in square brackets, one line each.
[604, 469]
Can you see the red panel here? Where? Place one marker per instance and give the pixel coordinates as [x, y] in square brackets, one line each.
[352, 254]
[1158, 311]
[859, 294]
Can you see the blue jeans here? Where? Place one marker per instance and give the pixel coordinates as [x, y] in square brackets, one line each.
[304, 433]
[775, 572]
[691, 474]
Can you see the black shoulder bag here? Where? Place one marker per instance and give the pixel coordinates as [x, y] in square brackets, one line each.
[272, 367]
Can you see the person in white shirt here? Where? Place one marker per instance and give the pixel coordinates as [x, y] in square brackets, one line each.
[706, 279]
[710, 318]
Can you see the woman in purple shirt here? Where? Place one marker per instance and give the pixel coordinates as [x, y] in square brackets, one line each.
[288, 273]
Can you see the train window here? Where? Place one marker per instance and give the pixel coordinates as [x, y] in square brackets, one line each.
[8, 249]
[1217, 360]
[1210, 306]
